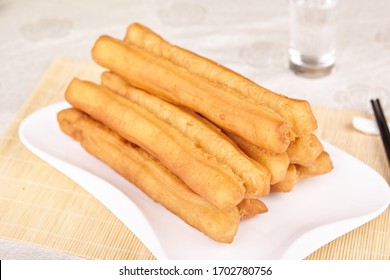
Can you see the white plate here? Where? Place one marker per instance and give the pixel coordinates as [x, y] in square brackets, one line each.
[317, 211]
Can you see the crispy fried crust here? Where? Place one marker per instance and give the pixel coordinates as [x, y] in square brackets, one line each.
[304, 150]
[199, 170]
[220, 104]
[249, 208]
[322, 165]
[150, 176]
[298, 113]
[276, 164]
[288, 183]
[256, 178]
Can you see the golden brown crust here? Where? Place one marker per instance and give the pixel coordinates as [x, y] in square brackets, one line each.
[206, 136]
[304, 150]
[276, 164]
[322, 165]
[298, 113]
[249, 208]
[288, 182]
[199, 170]
[221, 105]
[150, 176]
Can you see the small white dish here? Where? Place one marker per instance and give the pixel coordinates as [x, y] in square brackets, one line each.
[366, 126]
[317, 211]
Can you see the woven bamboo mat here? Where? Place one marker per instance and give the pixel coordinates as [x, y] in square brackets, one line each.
[40, 205]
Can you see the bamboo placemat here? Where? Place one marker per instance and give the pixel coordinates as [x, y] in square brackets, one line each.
[42, 206]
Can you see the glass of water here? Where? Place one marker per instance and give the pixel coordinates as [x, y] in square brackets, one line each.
[313, 26]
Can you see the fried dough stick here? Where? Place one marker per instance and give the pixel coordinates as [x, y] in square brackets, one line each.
[322, 165]
[256, 178]
[199, 170]
[276, 164]
[298, 113]
[304, 150]
[249, 208]
[288, 183]
[221, 105]
[150, 176]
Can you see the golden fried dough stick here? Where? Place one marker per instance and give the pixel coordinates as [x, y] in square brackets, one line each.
[199, 170]
[256, 178]
[322, 165]
[298, 113]
[304, 150]
[288, 182]
[276, 164]
[221, 105]
[249, 208]
[150, 176]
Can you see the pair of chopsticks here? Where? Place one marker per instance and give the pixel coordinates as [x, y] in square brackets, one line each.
[382, 124]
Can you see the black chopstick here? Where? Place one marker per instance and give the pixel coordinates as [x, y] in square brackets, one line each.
[382, 124]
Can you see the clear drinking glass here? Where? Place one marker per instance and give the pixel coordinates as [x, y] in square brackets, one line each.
[313, 26]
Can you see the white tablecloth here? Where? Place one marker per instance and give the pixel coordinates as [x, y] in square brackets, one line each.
[249, 36]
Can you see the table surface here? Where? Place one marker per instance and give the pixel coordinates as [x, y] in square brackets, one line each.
[249, 36]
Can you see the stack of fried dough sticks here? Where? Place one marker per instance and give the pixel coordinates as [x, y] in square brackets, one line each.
[200, 139]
